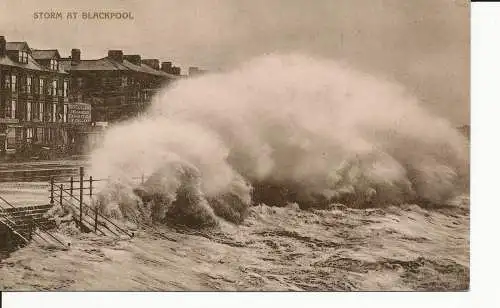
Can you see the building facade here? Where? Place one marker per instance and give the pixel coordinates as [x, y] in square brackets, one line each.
[118, 86]
[50, 103]
[34, 98]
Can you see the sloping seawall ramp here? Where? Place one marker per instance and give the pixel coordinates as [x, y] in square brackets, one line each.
[17, 224]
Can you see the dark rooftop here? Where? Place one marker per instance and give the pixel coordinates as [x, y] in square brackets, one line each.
[107, 64]
[103, 64]
[45, 54]
[31, 65]
[16, 45]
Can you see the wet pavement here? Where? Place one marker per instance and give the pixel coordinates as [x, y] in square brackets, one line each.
[28, 183]
[37, 171]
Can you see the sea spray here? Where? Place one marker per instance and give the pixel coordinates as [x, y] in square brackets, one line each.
[278, 129]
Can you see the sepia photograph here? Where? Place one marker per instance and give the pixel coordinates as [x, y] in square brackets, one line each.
[220, 145]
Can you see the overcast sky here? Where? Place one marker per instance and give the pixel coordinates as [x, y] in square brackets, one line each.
[423, 44]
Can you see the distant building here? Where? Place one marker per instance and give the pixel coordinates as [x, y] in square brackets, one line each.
[118, 86]
[196, 71]
[167, 67]
[33, 99]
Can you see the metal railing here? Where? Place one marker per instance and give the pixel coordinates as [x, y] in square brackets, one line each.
[84, 219]
[6, 221]
[84, 216]
[83, 190]
[61, 195]
[13, 226]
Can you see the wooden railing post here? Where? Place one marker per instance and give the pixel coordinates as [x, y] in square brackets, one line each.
[90, 187]
[81, 198]
[95, 207]
[51, 190]
[95, 223]
[71, 186]
[61, 195]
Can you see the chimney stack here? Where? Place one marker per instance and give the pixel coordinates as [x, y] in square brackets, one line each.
[193, 70]
[166, 67]
[3, 45]
[153, 63]
[116, 55]
[75, 56]
[135, 59]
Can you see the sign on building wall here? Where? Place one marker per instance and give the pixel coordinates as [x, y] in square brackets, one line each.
[79, 113]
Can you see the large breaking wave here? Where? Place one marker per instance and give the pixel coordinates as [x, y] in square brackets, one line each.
[278, 129]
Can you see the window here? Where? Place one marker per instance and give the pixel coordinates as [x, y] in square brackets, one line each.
[39, 134]
[8, 110]
[65, 89]
[23, 57]
[53, 65]
[54, 87]
[28, 84]
[28, 111]
[47, 113]
[46, 135]
[65, 113]
[40, 111]
[34, 111]
[19, 135]
[41, 85]
[14, 83]
[13, 105]
[6, 84]
[54, 111]
[80, 82]
[29, 135]
[11, 138]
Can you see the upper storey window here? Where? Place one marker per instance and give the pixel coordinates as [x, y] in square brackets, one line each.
[23, 56]
[53, 65]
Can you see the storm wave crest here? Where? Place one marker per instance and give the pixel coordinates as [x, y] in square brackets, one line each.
[276, 130]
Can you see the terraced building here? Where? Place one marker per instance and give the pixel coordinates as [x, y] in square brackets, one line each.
[55, 104]
[33, 99]
[117, 86]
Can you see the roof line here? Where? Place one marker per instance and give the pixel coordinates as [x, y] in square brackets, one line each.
[114, 63]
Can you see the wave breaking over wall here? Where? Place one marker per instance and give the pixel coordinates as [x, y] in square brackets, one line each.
[278, 129]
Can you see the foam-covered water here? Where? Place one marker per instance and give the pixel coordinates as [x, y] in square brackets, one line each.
[279, 129]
